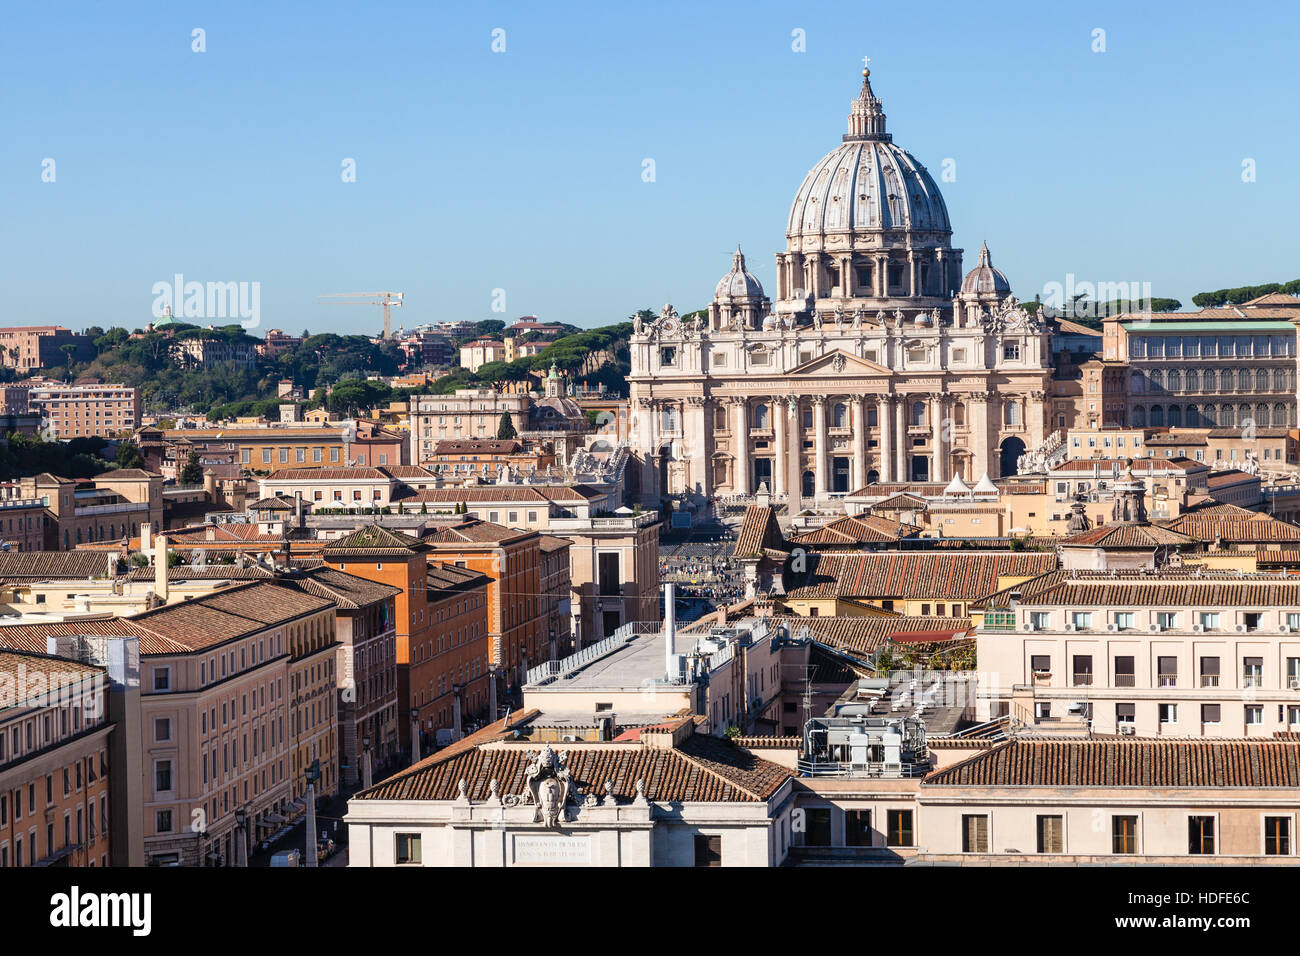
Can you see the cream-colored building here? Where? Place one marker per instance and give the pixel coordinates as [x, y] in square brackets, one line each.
[1169, 654]
[877, 361]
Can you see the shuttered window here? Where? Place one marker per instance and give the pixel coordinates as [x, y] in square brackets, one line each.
[708, 850]
[974, 833]
[1123, 832]
[1051, 834]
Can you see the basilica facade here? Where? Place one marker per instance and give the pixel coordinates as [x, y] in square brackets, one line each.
[878, 360]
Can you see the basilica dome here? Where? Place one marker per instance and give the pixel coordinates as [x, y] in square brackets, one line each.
[866, 184]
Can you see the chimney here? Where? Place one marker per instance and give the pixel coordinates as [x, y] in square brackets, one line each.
[160, 569]
[670, 630]
[146, 537]
[112, 565]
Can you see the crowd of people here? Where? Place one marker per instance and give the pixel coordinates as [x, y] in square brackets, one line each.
[704, 570]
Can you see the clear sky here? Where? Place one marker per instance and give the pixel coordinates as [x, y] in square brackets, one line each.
[522, 170]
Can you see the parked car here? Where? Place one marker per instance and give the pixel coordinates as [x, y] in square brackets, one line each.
[287, 858]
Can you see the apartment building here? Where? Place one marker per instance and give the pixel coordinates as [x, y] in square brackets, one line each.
[468, 413]
[108, 507]
[258, 450]
[485, 458]
[30, 347]
[80, 411]
[451, 664]
[1154, 654]
[474, 355]
[54, 767]
[366, 633]
[23, 520]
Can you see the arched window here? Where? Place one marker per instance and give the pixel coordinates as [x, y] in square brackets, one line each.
[1282, 417]
[670, 421]
[1261, 380]
[1139, 417]
[1211, 380]
[1193, 417]
[1157, 416]
[959, 414]
[840, 416]
[1011, 413]
[1175, 380]
[1193, 380]
[1279, 380]
[1175, 416]
[1244, 413]
[1137, 383]
[1157, 380]
[1243, 380]
[761, 417]
[1261, 415]
[1227, 417]
[918, 413]
[873, 416]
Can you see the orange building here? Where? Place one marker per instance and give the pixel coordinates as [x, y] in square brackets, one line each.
[390, 557]
[451, 665]
[54, 781]
[513, 562]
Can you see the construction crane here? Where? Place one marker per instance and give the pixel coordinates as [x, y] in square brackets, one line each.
[385, 300]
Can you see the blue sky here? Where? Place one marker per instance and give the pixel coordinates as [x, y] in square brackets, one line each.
[522, 170]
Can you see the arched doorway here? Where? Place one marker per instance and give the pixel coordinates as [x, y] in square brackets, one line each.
[1012, 449]
[920, 468]
[873, 477]
[808, 485]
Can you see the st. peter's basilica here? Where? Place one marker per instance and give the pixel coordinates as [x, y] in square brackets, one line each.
[878, 361]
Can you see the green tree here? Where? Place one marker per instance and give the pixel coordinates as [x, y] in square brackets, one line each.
[506, 429]
[128, 456]
[192, 473]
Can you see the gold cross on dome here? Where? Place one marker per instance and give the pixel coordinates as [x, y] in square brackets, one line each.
[866, 63]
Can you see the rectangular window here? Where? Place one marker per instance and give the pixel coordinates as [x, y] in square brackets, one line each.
[1252, 671]
[1082, 670]
[163, 776]
[857, 827]
[1167, 671]
[1200, 835]
[818, 827]
[708, 850]
[1254, 715]
[1123, 834]
[162, 678]
[1209, 620]
[974, 833]
[1124, 672]
[408, 848]
[1209, 672]
[162, 729]
[1040, 664]
[1081, 620]
[1168, 713]
[1123, 620]
[1277, 836]
[899, 827]
[1210, 713]
[1051, 834]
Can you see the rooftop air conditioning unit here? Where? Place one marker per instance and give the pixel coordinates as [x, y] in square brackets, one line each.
[1069, 627]
[1112, 627]
[569, 738]
[1127, 729]
[1293, 683]
[1241, 628]
[1156, 629]
[1026, 627]
[1284, 629]
[1196, 628]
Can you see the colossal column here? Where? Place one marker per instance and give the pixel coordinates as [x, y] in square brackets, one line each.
[885, 418]
[859, 441]
[781, 460]
[740, 442]
[819, 447]
[938, 437]
[901, 441]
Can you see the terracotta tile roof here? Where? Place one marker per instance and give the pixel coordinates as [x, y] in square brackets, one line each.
[903, 501]
[20, 668]
[864, 635]
[405, 472]
[50, 565]
[1186, 764]
[221, 616]
[206, 572]
[1212, 507]
[1231, 476]
[360, 473]
[446, 580]
[1163, 589]
[489, 494]
[274, 503]
[1122, 536]
[473, 531]
[939, 575]
[552, 543]
[477, 446]
[1256, 528]
[1110, 467]
[857, 529]
[372, 541]
[700, 769]
[31, 637]
[346, 590]
[758, 530]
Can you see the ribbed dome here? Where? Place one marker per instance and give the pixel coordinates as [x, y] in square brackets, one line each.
[738, 283]
[984, 278]
[867, 183]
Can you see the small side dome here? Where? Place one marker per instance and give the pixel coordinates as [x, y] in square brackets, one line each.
[984, 279]
[739, 283]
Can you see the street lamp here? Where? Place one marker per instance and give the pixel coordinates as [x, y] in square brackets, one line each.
[241, 826]
[313, 774]
[415, 735]
[365, 761]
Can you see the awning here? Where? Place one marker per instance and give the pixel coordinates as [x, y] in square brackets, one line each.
[272, 819]
[925, 637]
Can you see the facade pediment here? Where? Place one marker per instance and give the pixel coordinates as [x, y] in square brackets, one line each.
[839, 363]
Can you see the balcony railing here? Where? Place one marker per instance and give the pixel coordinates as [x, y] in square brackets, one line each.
[1125, 680]
[1083, 680]
[1209, 680]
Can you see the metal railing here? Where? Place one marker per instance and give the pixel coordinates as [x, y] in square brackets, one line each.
[549, 671]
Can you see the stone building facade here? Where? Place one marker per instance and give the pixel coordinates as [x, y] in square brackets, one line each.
[877, 361]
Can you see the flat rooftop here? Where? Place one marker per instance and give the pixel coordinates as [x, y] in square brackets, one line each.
[630, 666]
